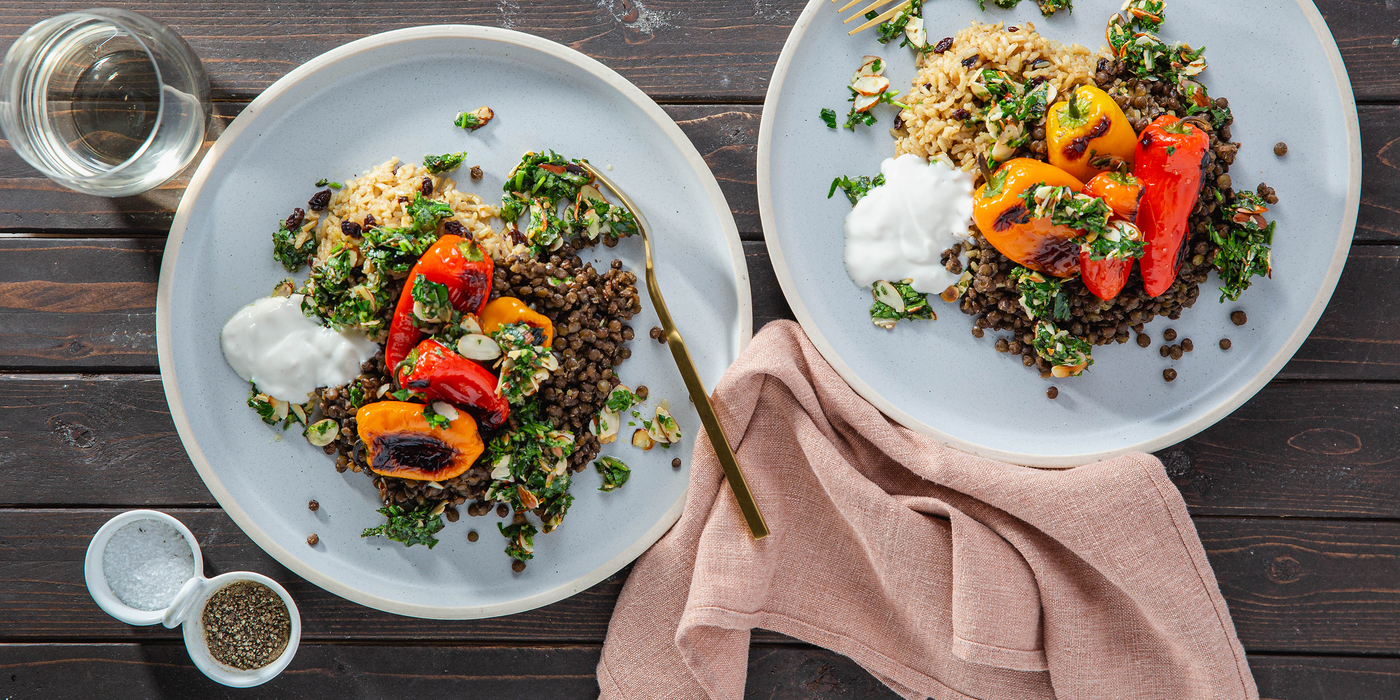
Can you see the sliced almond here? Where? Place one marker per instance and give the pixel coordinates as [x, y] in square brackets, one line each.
[865, 102]
[641, 439]
[868, 60]
[475, 346]
[669, 429]
[589, 192]
[279, 408]
[886, 294]
[446, 410]
[528, 500]
[914, 30]
[322, 433]
[500, 471]
[605, 425]
[470, 324]
[871, 85]
[299, 412]
[438, 509]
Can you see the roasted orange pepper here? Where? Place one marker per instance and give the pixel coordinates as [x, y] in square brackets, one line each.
[507, 310]
[1088, 133]
[1120, 191]
[999, 212]
[400, 442]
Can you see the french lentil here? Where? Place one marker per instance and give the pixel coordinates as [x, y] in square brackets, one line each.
[1239, 318]
[1224, 343]
[1169, 374]
[1052, 393]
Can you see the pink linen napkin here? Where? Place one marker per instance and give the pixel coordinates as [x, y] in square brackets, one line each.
[943, 574]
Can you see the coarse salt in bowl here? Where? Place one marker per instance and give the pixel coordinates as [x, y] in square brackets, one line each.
[151, 555]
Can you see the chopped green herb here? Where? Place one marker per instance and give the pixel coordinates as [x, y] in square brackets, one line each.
[620, 400]
[857, 188]
[1061, 349]
[323, 182]
[1065, 207]
[829, 116]
[614, 472]
[472, 121]
[444, 162]
[435, 419]
[520, 540]
[433, 303]
[1244, 240]
[916, 307]
[293, 248]
[408, 527]
[1042, 296]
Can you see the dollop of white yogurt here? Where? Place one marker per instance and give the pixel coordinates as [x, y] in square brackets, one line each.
[286, 353]
[899, 230]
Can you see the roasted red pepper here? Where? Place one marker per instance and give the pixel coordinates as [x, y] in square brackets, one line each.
[452, 261]
[439, 374]
[1171, 157]
[1122, 192]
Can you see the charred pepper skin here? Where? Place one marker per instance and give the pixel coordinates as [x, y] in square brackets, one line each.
[452, 261]
[1002, 217]
[1088, 134]
[400, 442]
[438, 373]
[1172, 156]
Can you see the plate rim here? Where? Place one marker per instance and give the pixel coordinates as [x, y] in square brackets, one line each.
[1222, 408]
[305, 71]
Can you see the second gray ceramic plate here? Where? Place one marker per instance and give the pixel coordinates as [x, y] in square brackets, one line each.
[396, 94]
[1276, 62]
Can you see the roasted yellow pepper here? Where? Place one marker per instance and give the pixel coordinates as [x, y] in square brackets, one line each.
[507, 310]
[1088, 134]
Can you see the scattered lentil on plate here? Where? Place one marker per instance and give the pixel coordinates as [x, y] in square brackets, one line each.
[517, 566]
[1144, 340]
[313, 506]
[1187, 345]
[676, 463]
[1169, 335]
[1239, 318]
[1280, 149]
[246, 625]
[1176, 352]
[472, 536]
[1169, 374]
[313, 539]
[1052, 393]
[1224, 343]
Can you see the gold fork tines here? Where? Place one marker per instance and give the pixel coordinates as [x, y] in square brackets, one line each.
[885, 16]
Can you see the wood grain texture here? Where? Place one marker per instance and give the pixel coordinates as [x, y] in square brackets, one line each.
[1292, 586]
[1335, 678]
[80, 671]
[675, 50]
[163, 669]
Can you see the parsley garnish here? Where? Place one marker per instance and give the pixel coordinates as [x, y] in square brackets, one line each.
[1061, 349]
[829, 116]
[614, 472]
[1041, 296]
[293, 248]
[521, 540]
[435, 419]
[408, 527]
[857, 188]
[435, 302]
[916, 307]
[1244, 240]
[444, 162]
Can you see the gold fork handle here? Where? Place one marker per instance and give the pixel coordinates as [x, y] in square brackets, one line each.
[747, 505]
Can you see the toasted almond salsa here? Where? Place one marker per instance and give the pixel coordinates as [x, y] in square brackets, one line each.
[486, 372]
[1103, 197]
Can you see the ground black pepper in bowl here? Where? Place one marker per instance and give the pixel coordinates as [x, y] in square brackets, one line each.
[246, 625]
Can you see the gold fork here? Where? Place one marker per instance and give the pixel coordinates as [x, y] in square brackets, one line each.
[727, 460]
[885, 16]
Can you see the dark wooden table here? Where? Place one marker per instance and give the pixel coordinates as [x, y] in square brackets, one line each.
[1296, 496]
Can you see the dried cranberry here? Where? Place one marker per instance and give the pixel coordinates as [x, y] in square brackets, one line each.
[518, 237]
[898, 122]
[320, 200]
[944, 45]
[350, 229]
[294, 221]
[961, 113]
[971, 61]
[455, 228]
[427, 187]
[369, 220]
[575, 169]
[1035, 82]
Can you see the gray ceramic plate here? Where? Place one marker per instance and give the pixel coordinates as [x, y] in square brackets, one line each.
[1276, 62]
[396, 94]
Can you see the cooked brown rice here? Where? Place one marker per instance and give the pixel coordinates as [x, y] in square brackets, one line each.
[942, 86]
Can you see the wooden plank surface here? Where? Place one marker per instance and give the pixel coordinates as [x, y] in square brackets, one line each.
[1292, 586]
[81, 671]
[675, 50]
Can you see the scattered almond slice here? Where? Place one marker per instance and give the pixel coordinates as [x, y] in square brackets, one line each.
[886, 294]
[641, 439]
[863, 103]
[475, 346]
[871, 85]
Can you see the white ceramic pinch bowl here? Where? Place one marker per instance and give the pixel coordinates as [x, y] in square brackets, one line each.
[96, 576]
